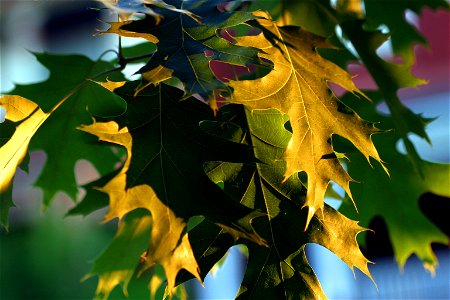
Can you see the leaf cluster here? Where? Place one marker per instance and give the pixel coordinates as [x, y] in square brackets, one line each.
[192, 163]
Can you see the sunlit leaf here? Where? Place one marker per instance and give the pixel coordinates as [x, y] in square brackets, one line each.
[167, 230]
[281, 269]
[14, 146]
[298, 87]
[29, 118]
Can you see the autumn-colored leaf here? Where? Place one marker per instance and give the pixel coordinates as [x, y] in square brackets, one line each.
[166, 248]
[282, 269]
[163, 173]
[187, 183]
[29, 118]
[298, 87]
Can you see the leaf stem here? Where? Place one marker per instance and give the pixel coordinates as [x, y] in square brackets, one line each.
[126, 60]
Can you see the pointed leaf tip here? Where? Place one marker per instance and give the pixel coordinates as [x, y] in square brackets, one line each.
[298, 87]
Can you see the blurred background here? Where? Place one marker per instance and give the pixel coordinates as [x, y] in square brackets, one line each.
[44, 255]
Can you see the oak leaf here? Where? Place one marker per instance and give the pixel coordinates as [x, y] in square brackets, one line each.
[167, 231]
[163, 173]
[282, 268]
[410, 231]
[403, 35]
[59, 134]
[389, 78]
[298, 87]
[28, 117]
[186, 47]
[117, 264]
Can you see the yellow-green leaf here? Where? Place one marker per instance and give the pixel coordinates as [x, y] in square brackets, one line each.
[116, 265]
[280, 270]
[298, 87]
[29, 118]
[169, 246]
[395, 197]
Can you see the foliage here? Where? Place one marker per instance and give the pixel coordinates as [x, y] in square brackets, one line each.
[251, 168]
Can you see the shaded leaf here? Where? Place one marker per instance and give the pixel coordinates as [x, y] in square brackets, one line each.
[163, 173]
[314, 16]
[397, 201]
[58, 134]
[186, 47]
[137, 50]
[6, 203]
[209, 243]
[94, 199]
[298, 87]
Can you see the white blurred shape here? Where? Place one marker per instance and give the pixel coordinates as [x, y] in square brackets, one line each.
[2, 114]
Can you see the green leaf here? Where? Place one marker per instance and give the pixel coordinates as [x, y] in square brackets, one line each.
[314, 16]
[6, 203]
[298, 87]
[163, 173]
[395, 197]
[94, 199]
[389, 78]
[210, 244]
[138, 49]
[186, 47]
[116, 265]
[404, 35]
[58, 135]
[282, 269]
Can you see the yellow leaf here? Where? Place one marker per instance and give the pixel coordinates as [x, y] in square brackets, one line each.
[155, 76]
[111, 85]
[338, 234]
[116, 28]
[170, 245]
[12, 153]
[298, 87]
